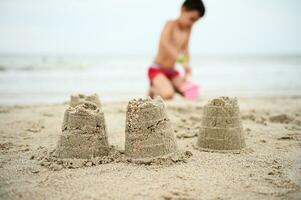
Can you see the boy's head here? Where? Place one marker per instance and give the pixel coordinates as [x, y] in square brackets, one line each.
[191, 11]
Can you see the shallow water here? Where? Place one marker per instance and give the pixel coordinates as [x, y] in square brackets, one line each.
[51, 79]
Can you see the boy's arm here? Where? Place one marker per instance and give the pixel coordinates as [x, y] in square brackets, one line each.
[165, 40]
[186, 64]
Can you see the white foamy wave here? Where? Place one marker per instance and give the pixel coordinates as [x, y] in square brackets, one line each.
[30, 63]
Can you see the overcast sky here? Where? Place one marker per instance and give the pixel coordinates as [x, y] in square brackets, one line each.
[133, 26]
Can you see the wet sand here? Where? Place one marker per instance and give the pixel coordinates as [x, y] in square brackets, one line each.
[269, 168]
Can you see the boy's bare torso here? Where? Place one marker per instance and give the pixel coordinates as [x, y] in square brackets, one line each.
[174, 40]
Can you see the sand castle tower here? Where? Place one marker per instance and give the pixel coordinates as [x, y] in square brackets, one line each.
[221, 126]
[83, 131]
[148, 130]
[78, 99]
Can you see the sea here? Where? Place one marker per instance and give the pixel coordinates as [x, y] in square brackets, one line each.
[46, 79]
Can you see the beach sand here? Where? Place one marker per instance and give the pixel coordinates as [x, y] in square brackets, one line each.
[268, 168]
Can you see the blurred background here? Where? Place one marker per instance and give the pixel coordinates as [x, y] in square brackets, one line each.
[52, 48]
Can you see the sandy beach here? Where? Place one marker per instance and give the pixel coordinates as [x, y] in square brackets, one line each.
[269, 167]
[75, 122]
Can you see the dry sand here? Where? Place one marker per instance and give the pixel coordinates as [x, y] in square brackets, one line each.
[270, 168]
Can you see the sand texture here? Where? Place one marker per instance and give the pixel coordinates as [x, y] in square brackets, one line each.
[148, 132]
[221, 128]
[270, 168]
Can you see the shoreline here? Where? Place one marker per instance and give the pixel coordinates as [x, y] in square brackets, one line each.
[178, 99]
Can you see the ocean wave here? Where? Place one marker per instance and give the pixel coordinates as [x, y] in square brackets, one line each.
[33, 67]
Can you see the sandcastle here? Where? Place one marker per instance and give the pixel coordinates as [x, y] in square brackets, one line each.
[84, 133]
[221, 128]
[78, 99]
[148, 130]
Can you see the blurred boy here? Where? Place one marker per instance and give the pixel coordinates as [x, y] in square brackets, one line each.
[174, 42]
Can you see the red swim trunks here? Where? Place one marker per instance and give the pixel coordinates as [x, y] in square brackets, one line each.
[156, 69]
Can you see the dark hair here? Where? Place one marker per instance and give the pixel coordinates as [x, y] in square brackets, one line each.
[197, 5]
